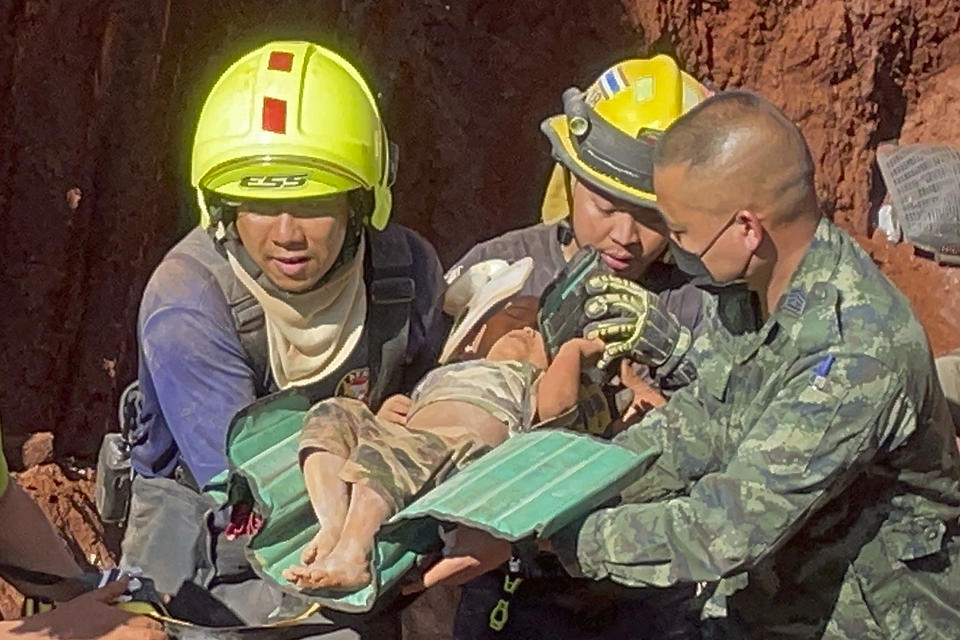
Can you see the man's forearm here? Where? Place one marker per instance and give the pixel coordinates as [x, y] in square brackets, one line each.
[28, 539]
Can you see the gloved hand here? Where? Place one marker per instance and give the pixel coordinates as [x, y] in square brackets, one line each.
[628, 319]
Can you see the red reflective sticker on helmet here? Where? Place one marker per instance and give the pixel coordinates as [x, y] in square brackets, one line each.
[280, 61]
[274, 115]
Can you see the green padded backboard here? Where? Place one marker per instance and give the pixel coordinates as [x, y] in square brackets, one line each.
[532, 485]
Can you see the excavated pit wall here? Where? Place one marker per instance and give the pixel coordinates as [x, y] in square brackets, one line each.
[101, 97]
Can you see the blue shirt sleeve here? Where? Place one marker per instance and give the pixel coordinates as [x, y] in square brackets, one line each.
[194, 374]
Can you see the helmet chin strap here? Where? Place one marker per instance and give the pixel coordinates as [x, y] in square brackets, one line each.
[565, 228]
[224, 232]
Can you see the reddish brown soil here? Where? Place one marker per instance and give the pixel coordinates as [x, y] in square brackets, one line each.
[68, 503]
[852, 75]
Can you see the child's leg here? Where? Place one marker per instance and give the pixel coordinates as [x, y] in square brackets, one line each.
[388, 466]
[330, 497]
[326, 441]
[347, 565]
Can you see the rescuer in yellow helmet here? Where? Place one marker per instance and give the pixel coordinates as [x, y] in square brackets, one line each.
[600, 193]
[294, 279]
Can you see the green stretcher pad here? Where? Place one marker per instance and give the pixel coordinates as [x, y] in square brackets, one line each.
[534, 484]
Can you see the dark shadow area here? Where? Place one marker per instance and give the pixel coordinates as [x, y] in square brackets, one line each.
[107, 108]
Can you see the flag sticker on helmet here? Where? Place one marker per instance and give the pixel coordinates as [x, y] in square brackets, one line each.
[274, 115]
[613, 82]
[280, 61]
[593, 95]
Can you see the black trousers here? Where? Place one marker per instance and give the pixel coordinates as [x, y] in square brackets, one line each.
[572, 609]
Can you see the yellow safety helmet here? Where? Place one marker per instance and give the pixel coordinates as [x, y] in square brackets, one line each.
[607, 134]
[292, 120]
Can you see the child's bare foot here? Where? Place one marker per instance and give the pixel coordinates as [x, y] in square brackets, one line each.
[320, 547]
[338, 572]
[296, 573]
[345, 567]
[314, 552]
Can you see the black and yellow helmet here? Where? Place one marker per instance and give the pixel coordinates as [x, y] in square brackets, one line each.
[607, 135]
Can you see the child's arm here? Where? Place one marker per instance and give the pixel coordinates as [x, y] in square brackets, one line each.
[644, 399]
[560, 384]
[395, 409]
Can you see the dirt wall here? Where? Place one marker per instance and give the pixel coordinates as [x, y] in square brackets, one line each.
[98, 100]
[852, 74]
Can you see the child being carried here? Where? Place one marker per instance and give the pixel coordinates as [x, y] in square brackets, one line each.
[360, 468]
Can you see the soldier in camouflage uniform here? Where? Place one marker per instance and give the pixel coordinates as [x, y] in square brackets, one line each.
[809, 477]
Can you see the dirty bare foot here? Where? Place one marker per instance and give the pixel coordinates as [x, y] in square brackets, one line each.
[329, 496]
[346, 568]
[337, 572]
[296, 573]
[321, 546]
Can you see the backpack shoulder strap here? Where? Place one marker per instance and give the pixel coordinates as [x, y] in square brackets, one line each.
[391, 291]
[246, 312]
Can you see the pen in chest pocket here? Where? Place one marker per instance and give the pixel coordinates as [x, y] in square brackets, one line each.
[820, 379]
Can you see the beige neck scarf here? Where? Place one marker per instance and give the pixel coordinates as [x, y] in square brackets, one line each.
[310, 337]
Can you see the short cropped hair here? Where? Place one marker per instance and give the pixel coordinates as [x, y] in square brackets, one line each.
[705, 137]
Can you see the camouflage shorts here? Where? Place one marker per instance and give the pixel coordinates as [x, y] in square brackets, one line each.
[398, 463]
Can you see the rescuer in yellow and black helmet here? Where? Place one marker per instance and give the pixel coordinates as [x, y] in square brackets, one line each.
[606, 135]
[600, 194]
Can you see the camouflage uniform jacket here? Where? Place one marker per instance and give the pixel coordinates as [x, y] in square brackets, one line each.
[809, 475]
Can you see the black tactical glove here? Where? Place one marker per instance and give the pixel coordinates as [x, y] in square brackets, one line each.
[628, 318]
